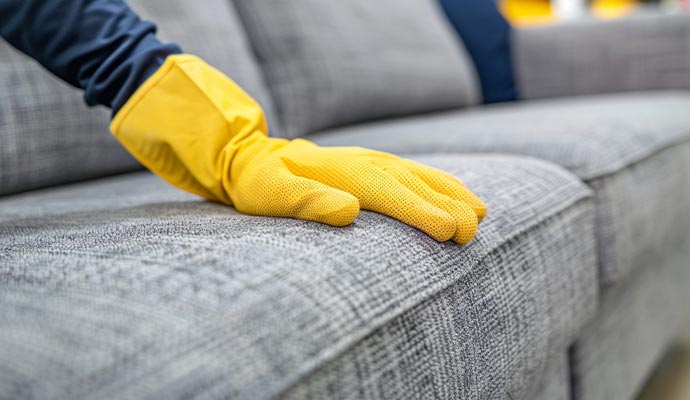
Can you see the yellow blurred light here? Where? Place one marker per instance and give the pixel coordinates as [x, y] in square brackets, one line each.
[527, 12]
[607, 9]
[536, 12]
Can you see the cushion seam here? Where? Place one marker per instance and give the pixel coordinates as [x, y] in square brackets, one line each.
[638, 157]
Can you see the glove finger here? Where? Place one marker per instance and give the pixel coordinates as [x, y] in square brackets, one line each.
[385, 195]
[296, 197]
[465, 217]
[449, 185]
[380, 192]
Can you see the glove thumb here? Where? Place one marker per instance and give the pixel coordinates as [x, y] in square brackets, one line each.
[297, 197]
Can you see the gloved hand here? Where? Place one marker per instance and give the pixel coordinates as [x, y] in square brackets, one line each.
[198, 130]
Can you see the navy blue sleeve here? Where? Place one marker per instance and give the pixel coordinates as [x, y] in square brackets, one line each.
[100, 46]
[486, 35]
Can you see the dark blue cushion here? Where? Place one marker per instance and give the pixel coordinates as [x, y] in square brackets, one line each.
[486, 35]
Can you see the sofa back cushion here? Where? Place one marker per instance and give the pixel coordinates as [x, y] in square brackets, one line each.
[331, 63]
[48, 136]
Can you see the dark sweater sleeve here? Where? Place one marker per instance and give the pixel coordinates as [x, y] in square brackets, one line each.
[100, 46]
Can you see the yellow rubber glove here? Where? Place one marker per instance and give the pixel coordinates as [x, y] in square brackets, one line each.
[199, 131]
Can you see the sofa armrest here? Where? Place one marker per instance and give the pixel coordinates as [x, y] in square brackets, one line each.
[642, 52]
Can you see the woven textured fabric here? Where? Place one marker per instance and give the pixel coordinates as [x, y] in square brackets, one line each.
[643, 52]
[127, 288]
[47, 134]
[330, 63]
[555, 384]
[637, 322]
[628, 147]
[643, 210]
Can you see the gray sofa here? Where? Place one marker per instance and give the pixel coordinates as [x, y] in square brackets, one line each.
[116, 285]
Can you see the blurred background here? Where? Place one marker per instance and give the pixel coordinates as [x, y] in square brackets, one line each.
[671, 380]
[536, 12]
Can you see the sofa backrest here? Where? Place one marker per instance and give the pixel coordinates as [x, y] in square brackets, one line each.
[47, 134]
[331, 63]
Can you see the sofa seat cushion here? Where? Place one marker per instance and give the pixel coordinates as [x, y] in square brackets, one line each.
[633, 149]
[128, 288]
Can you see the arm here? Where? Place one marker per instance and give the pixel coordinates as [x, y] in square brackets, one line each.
[198, 130]
[100, 46]
[643, 52]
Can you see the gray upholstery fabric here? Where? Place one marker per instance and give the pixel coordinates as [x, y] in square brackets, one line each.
[631, 148]
[330, 63]
[637, 322]
[128, 288]
[555, 384]
[48, 135]
[643, 210]
[214, 32]
[642, 52]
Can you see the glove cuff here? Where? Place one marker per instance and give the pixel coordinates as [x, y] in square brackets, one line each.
[186, 124]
